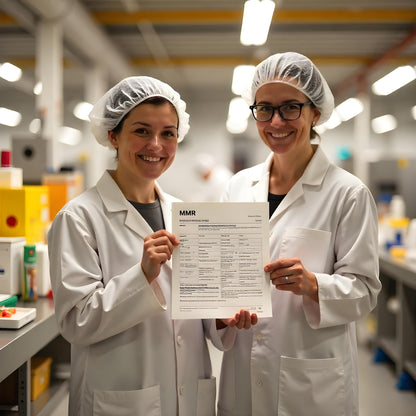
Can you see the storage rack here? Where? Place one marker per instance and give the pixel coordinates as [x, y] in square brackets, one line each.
[17, 347]
[396, 329]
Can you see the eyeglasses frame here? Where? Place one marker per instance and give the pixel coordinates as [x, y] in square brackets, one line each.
[252, 108]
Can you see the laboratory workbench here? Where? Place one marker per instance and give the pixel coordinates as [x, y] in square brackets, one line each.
[18, 346]
[396, 318]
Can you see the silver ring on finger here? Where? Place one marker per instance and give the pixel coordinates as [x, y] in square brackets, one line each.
[286, 279]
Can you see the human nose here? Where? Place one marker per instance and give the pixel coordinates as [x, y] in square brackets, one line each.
[277, 118]
[154, 141]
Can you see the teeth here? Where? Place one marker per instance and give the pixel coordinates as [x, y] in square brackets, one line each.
[280, 135]
[151, 159]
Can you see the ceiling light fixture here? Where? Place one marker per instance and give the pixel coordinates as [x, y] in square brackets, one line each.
[384, 124]
[349, 109]
[235, 126]
[35, 126]
[10, 72]
[82, 110]
[238, 108]
[37, 89]
[394, 80]
[9, 118]
[413, 110]
[69, 135]
[238, 113]
[256, 21]
[334, 121]
[242, 77]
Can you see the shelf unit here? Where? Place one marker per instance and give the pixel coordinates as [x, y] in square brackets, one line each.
[396, 329]
[17, 347]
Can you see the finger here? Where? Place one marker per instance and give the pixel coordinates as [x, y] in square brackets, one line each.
[241, 320]
[244, 320]
[254, 319]
[248, 320]
[234, 321]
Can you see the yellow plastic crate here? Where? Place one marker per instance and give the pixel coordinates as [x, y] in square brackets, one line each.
[24, 212]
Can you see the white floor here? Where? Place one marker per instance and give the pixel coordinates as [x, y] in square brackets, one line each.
[378, 393]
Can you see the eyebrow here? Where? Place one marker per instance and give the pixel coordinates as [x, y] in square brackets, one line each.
[282, 103]
[149, 125]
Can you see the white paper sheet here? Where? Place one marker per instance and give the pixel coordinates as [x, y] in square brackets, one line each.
[218, 266]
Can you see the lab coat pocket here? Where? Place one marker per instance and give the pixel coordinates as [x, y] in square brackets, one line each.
[206, 397]
[311, 387]
[309, 245]
[144, 402]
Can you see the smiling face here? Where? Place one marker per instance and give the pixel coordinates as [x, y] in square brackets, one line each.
[283, 136]
[146, 143]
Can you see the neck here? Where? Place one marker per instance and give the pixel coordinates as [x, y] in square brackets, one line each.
[143, 190]
[286, 170]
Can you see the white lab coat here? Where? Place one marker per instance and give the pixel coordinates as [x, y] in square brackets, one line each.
[128, 357]
[303, 360]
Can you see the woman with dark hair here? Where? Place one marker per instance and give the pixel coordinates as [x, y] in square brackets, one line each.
[110, 250]
[323, 251]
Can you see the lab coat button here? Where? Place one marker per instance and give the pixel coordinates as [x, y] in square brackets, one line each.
[179, 340]
[259, 382]
[181, 390]
[259, 337]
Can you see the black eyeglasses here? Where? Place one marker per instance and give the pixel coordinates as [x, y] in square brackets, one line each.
[290, 112]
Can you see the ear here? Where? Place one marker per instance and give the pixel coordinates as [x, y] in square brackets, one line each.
[316, 116]
[112, 136]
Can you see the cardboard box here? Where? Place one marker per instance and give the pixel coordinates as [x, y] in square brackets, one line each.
[40, 375]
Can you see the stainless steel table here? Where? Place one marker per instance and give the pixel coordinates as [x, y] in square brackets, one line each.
[18, 346]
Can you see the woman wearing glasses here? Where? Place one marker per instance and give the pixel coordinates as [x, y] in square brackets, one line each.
[323, 257]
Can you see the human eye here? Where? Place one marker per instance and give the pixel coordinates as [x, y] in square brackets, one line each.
[169, 134]
[290, 107]
[264, 108]
[141, 131]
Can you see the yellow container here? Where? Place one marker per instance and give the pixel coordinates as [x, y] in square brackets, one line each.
[24, 212]
[57, 198]
[62, 188]
[40, 375]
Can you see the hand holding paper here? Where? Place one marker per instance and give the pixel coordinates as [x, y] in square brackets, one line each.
[241, 320]
[157, 249]
[218, 266]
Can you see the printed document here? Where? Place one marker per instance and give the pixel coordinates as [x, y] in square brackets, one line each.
[218, 265]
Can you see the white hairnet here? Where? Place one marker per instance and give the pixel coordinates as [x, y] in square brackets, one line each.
[298, 71]
[127, 94]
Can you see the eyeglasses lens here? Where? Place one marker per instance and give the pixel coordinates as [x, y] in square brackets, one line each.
[286, 112]
[290, 111]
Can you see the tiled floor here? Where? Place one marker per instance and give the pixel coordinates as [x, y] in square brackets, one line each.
[378, 393]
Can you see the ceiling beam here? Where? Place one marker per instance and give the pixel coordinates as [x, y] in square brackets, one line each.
[116, 17]
[359, 78]
[83, 34]
[228, 61]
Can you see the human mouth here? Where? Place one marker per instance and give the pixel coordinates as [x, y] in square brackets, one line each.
[280, 135]
[150, 159]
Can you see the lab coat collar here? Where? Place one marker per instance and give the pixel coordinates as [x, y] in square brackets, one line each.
[313, 175]
[115, 201]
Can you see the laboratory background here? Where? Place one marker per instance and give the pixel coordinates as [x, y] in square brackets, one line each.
[57, 57]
